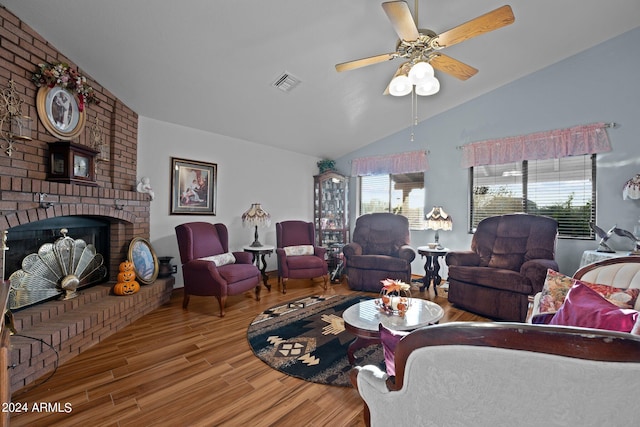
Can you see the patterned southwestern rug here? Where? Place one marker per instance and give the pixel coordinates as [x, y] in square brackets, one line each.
[306, 339]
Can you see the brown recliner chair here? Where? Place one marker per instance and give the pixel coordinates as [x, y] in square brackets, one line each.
[379, 250]
[298, 255]
[508, 261]
[198, 240]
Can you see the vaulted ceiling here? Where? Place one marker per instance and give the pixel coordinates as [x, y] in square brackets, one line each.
[211, 64]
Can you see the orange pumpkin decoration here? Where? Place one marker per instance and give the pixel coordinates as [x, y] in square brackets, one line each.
[126, 288]
[126, 266]
[126, 284]
[126, 276]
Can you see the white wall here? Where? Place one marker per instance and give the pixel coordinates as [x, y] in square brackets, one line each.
[598, 85]
[280, 180]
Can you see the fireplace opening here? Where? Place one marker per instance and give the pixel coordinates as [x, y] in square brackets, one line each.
[26, 239]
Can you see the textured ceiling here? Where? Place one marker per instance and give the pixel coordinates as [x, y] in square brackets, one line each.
[210, 64]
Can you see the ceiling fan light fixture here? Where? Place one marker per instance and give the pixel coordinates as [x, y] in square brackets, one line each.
[431, 87]
[400, 86]
[421, 73]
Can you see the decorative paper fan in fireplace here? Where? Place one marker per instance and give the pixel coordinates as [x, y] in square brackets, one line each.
[420, 45]
[58, 269]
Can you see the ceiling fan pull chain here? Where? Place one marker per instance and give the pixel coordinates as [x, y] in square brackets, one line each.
[414, 113]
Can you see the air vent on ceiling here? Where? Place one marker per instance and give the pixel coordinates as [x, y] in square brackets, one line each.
[286, 82]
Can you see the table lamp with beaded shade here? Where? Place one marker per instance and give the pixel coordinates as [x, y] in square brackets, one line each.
[437, 219]
[256, 216]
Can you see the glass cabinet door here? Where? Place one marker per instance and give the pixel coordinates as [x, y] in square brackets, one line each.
[330, 210]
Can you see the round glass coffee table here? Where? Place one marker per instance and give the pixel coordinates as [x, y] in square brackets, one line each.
[362, 320]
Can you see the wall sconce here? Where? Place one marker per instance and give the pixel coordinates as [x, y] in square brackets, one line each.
[44, 204]
[13, 125]
[118, 206]
[103, 148]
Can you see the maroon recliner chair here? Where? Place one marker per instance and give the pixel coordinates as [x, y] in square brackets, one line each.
[298, 255]
[380, 250]
[508, 261]
[201, 246]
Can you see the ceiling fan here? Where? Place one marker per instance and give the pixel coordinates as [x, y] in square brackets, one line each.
[423, 46]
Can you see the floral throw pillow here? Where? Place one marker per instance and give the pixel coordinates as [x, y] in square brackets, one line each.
[555, 289]
[557, 285]
[299, 250]
[220, 260]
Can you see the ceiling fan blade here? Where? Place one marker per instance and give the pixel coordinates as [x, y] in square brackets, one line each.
[352, 65]
[401, 19]
[490, 21]
[448, 65]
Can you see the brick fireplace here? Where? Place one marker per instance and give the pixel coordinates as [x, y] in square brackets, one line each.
[74, 325]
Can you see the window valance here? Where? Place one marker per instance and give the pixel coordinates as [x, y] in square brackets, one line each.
[413, 161]
[554, 144]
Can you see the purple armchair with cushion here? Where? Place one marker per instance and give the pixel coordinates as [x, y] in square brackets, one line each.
[508, 261]
[379, 250]
[209, 269]
[298, 256]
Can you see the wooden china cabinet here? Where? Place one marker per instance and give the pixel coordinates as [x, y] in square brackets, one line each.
[331, 191]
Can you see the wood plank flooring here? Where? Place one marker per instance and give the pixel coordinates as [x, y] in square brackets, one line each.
[176, 367]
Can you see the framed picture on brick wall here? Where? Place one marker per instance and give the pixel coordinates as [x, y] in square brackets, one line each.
[193, 187]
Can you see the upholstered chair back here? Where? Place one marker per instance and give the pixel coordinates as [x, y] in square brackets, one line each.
[508, 241]
[201, 239]
[294, 233]
[381, 233]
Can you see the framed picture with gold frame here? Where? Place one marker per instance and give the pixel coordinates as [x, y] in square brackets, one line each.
[144, 259]
[59, 112]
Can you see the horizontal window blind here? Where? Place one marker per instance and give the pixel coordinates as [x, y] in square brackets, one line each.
[562, 188]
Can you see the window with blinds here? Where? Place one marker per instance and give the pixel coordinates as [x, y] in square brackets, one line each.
[401, 194]
[563, 189]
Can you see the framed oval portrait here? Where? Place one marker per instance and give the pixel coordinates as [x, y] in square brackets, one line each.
[144, 259]
[59, 113]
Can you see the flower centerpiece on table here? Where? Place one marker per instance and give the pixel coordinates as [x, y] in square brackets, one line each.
[395, 296]
[62, 75]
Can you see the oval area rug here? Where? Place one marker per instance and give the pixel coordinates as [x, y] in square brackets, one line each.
[305, 338]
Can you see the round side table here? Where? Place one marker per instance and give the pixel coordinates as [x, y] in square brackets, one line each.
[259, 253]
[431, 267]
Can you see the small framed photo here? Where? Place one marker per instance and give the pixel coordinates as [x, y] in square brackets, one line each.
[193, 187]
[144, 259]
[59, 112]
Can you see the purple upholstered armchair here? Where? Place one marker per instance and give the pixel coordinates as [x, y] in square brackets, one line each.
[298, 256]
[379, 250]
[209, 269]
[508, 262]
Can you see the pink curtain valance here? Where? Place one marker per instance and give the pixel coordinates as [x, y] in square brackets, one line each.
[578, 140]
[414, 161]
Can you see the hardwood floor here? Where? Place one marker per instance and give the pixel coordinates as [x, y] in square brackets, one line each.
[192, 368]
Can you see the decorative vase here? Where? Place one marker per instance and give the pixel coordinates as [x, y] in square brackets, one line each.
[165, 269]
[395, 297]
